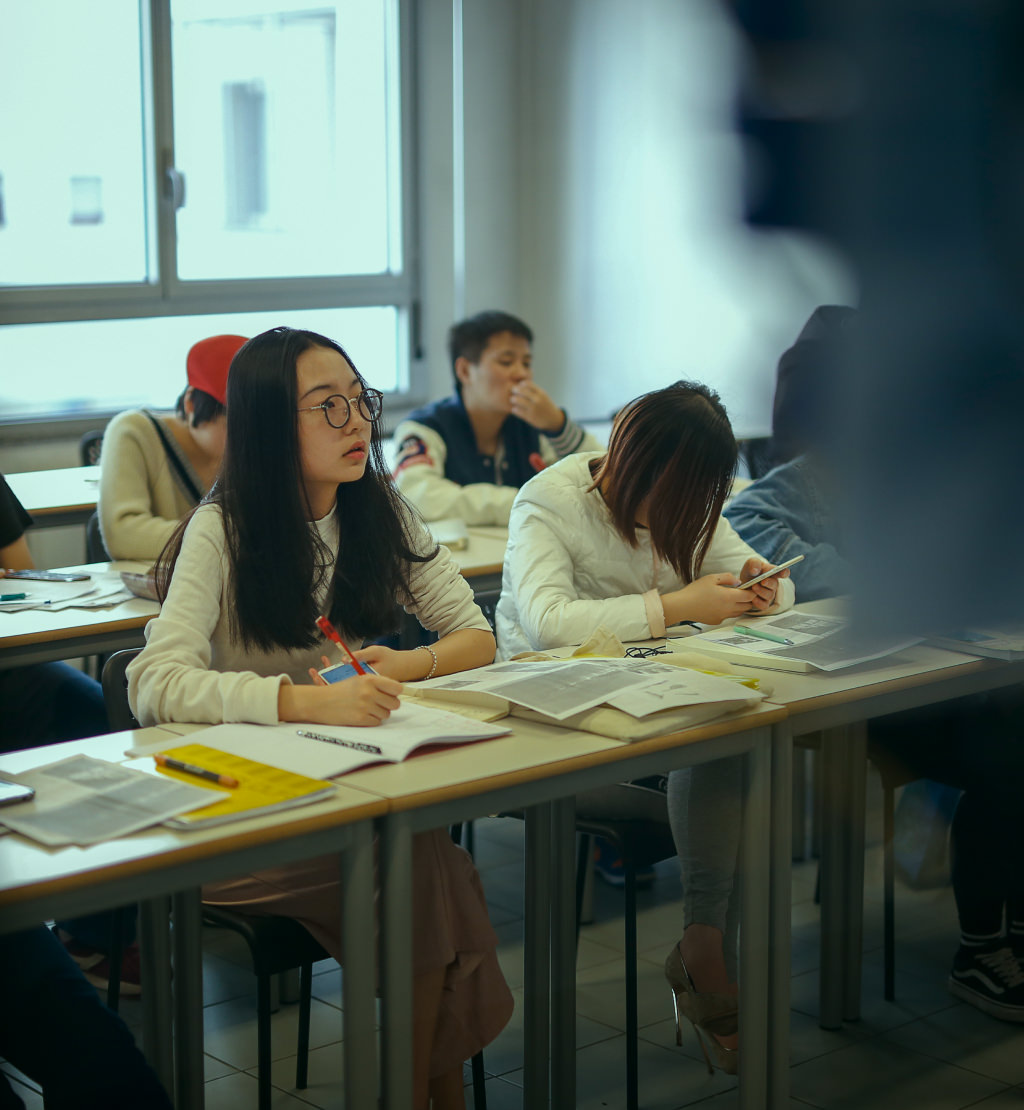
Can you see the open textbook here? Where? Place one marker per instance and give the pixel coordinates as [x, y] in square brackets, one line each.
[815, 642]
[562, 689]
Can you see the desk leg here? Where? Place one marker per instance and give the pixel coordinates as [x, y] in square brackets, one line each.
[394, 862]
[563, 952]
[832, 880]
[188, 999]
[754, 951]
[155, 958]
[537, 958]
[780, 878]
[856, 795]
[358, 980]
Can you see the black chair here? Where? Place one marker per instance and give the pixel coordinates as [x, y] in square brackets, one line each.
[95, 549]
[89, 447]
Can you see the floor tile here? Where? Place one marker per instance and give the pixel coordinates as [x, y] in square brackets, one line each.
[882, 1076]
[230, 1030]
[968, 1038]
[236, 1091]
[505, 1053]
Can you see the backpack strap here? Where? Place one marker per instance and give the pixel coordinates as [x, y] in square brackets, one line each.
[176, 463]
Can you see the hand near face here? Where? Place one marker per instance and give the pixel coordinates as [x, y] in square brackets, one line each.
[531, 403]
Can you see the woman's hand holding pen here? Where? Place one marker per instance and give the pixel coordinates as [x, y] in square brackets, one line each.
[366, 699]
[762, 594]
[710, 599]
[404, 666]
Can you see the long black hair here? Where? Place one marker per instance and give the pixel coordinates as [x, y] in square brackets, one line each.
[673, 450]
[276, 558]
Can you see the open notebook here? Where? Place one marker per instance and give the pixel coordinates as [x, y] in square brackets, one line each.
[325, 751]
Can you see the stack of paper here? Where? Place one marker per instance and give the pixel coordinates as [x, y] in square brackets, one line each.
[796, 641]
[81, 800]
[97, 592]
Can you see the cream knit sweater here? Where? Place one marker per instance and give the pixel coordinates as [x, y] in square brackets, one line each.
[142, 499]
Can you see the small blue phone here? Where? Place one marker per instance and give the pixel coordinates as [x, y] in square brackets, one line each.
[340, 671]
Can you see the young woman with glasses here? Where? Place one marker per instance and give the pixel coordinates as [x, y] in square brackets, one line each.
[304, 521]
[632, 538]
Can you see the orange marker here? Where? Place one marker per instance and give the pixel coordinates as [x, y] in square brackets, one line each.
[199, 772]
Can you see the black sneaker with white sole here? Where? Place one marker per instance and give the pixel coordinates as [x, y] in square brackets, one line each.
[990, 978]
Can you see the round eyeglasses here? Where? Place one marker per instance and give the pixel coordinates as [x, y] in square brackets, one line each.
[337, 408]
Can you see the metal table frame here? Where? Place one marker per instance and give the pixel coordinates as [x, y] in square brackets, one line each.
[550, 1013]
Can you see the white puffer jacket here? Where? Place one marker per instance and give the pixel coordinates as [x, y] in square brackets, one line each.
[567, 569]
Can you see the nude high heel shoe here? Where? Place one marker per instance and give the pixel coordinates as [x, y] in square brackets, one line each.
[713, 1012]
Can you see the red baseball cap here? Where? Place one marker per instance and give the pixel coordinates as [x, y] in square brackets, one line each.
[208, 362]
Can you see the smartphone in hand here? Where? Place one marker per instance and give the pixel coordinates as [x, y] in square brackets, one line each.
[768, 573]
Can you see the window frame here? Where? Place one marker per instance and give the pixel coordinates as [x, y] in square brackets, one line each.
[168, 295]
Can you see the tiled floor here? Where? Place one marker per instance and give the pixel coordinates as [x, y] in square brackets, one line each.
[925, 1050]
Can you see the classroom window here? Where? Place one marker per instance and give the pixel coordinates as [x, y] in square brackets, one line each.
[233, 160]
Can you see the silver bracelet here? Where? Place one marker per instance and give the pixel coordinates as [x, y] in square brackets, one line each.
[433, 667]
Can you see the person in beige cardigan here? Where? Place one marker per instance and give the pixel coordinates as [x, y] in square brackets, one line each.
[155, 468]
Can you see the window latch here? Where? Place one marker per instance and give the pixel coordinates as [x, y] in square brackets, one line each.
[175, 187]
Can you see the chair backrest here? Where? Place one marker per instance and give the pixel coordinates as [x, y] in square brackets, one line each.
[89, 448]
[95, 549]
[115, 690]
[488, 602]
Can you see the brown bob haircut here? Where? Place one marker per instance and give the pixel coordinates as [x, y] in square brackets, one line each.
[674, 449]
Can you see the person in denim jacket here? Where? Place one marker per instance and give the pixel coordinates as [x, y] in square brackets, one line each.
[789, 512]
[972, 744]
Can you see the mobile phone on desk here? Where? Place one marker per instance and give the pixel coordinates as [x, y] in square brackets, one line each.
[338, 672]
[769, 573]
[11, 792]
[47, 575]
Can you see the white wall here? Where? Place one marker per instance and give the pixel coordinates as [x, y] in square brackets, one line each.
[636, 267]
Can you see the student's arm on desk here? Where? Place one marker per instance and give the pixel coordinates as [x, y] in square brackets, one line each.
[419, 476]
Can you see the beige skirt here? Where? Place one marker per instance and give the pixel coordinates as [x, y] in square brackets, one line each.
[452, 931]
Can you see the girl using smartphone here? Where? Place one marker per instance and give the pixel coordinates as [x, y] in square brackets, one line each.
[303, 520]
[633, 539]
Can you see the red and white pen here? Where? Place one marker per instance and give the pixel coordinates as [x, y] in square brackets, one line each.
[331, 633]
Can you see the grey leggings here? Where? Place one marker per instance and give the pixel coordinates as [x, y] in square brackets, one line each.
[705, 810]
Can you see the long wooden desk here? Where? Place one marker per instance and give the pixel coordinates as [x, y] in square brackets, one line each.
[39, 636]
[539, 769]
[164, 870]
[66, 495]
[838, 704]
